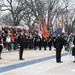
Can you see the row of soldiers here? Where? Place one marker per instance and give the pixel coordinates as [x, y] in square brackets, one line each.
[35, 41]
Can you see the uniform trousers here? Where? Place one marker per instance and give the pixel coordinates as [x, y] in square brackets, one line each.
[21, 51]
[58, 54]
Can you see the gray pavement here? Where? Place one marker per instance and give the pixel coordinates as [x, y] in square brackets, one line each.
[37, 62]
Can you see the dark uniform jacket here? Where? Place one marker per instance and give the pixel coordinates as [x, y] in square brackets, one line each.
[21, 40]
[60, 42]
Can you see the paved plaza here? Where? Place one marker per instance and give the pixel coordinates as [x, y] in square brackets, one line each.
[37, 62]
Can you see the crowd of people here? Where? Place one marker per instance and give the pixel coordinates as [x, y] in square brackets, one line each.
[14, 38]
[10, 37]
[32, 39]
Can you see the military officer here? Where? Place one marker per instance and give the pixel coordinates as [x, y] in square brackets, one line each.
[21, 43]
[60, 42]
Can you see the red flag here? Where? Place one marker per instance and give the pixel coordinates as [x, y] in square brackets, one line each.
[45, 31]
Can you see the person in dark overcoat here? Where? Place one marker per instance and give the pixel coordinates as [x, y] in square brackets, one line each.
[21, 39]
[60, 42]
[73, 50]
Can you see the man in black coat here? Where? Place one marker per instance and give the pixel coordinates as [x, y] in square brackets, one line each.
[60, 42]
[35, 37]
[21, 39]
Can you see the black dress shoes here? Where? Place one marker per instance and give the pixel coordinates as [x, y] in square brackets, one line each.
[21, 59]
[73, 61]
[0, 58]
[59, 62]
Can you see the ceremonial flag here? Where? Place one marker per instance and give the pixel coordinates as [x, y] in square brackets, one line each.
[40, 28]
[63, 28]
[55, 28]
[45, 31]
[55, 25]
[56, 32]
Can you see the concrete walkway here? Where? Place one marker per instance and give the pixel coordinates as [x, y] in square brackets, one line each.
[37, 62]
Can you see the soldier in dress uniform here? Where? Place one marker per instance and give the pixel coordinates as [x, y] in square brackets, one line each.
[35, 37]
[26, 40]
[60, 42]
[50, 41]
[30, 41]
[44, 43]
[54, 40]
[21, 39]
[39, 40]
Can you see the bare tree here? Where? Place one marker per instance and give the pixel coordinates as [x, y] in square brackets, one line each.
[16, 9]
[37, 10]
[69, 16]
[6, 20]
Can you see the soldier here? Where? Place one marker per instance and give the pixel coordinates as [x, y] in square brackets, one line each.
[39, 40]
[50, 41]
[30, 41]
[60, 42]
[21, 43]
[26, 40]
[54, 40]
[44, 43]
[35, 37]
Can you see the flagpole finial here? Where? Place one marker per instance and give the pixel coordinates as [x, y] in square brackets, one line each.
[63, 30]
